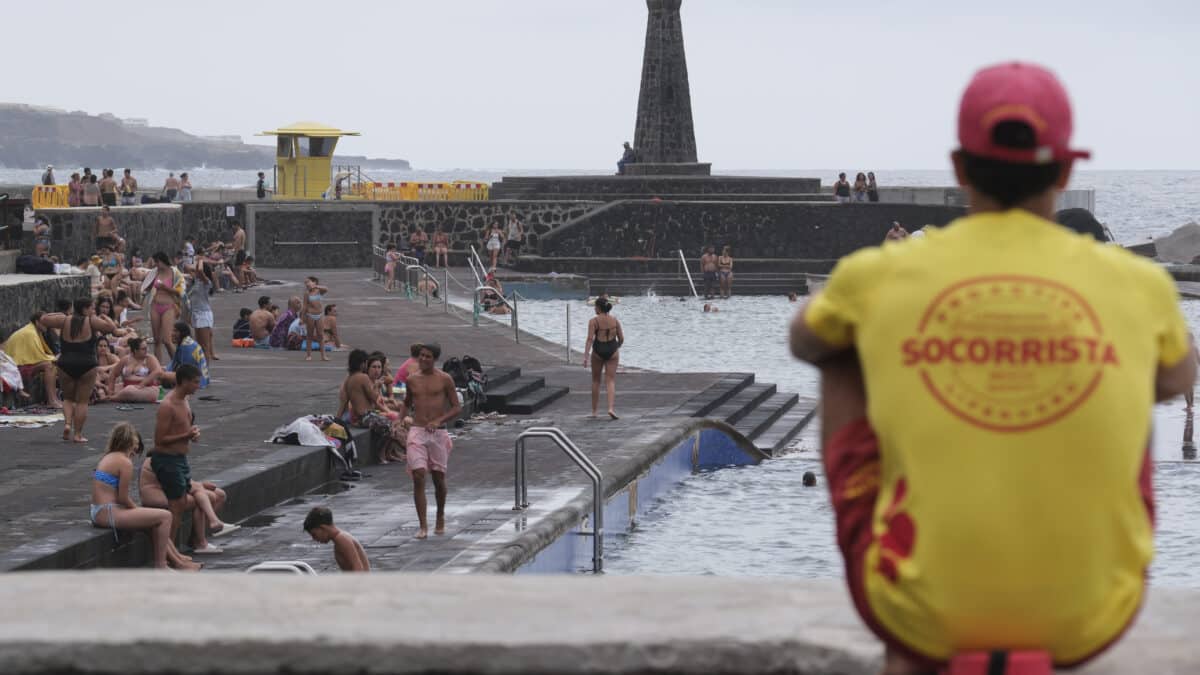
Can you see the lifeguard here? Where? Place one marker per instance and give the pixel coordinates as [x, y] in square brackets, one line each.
[993, 490]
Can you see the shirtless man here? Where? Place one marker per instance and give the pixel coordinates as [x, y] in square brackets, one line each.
[106, 231]
[348, 553]
[128, 189]
[432, 401]
[174, 428]
[239, 251]
[357, 395]
[897, 233]
[708, 267]
[262, 322]
[418, 240]
[171, 187]
[108, 188]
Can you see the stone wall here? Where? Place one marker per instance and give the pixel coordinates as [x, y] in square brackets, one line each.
[150, 228]
[22, 295]
[209, 221]
[609, 187]
[753, 229]
[465, 221]
[314, 235]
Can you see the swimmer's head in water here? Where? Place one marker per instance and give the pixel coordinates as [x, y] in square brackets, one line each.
[810, 479]
[792, 296]
[707, 307]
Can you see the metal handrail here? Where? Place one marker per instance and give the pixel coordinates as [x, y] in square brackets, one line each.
[479, 273]
[288, 566]
[521, 492]
[479, 261]
[689, 275]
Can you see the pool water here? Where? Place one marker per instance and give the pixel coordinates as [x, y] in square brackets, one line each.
[759, 520]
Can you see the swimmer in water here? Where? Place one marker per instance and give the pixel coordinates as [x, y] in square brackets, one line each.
[710, 309]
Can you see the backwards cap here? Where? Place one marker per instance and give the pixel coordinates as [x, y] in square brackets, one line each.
[1017, 92]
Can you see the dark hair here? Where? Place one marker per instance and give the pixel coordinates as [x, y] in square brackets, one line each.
[390, 246]
[135, 343]
[356, 361]
[62, 305]
[603, 305]
[318, 516]
[264, 300]
[809, 479]
[184, 329]
[433, 347]
[161, 257]
[329, 307]
[78, 318]
[414, 350]
[112, 306]
[186, 373]
[245, 312]
[36, 316]
[122, 295]
[1010, 183]
[375, 358]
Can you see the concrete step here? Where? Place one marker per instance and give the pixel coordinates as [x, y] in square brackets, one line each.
[535, 400]
[501, 397]
[760, 418]
[742, 403]
[775, 438]
[498, 375]
[717, 393]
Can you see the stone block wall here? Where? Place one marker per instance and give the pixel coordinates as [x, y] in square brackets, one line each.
[150, 228]
[311, 236]
[209, 221]
[753, 229]
[20, 299]
[611, 187]
[466, 221]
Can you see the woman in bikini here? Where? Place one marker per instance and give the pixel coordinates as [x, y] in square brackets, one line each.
[166, 290]
[604, 339]
[391, 260]
[77, 364]
[107, 360]
[135, 378]
[725, 272]
[112, 506]
[314, 311]
[441, 248]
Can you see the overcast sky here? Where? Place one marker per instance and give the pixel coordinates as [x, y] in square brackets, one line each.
[775, 84]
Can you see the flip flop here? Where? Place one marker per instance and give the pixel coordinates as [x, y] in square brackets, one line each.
[208, 550]
[228, 529]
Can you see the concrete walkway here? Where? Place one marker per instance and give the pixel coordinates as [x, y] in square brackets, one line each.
[45, 487]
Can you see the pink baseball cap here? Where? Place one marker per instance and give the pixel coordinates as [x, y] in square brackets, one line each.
[1021, 92]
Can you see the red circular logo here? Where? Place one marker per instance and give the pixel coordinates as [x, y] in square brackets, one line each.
[1009, 353]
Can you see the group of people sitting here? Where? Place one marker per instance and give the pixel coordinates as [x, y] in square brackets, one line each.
[269, 327]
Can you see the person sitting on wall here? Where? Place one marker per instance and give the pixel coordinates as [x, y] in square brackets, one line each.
[627, 157]
[27, 348]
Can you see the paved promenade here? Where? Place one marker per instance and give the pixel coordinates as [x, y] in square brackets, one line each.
[44, 486]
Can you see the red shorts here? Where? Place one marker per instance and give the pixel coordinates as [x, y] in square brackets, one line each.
[853, 472]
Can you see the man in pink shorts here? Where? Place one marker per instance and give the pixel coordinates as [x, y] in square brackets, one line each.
[431, 400]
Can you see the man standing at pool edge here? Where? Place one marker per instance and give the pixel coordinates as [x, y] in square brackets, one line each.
[432, 401]
[1021, 353]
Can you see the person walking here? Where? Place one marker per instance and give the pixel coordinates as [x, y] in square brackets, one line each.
[314, 312]
[604, 340]
[1029, 360]
[860, 187]
[841, 189]
[430, 401]
[166, 286]
[872, 188]
[204, 283]
[260, 186]
[77, 364]
[516, 236]
[495, 237]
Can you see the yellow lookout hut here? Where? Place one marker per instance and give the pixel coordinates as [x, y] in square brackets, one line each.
[304, 159]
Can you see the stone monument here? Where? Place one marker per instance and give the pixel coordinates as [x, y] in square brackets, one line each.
[665, 139]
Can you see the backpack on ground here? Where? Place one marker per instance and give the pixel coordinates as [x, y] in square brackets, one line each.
[32, 264]
[454, 368]
[476, 380]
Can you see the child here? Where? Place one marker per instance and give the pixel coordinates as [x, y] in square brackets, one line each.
[348, 553]
[241, 327]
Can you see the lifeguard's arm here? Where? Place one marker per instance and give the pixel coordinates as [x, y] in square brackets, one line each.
[806, 345]
[1171, 381]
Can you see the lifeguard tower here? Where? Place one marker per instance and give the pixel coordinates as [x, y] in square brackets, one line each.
[304, 160]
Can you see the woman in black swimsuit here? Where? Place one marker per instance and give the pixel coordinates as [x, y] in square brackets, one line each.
[77, 364]
[604, 339]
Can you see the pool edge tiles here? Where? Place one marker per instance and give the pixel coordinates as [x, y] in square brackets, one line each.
[675, 456]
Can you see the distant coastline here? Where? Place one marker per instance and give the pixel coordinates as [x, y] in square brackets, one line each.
[33, 136]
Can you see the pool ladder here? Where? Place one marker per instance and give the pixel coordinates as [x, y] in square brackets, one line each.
[521, 493]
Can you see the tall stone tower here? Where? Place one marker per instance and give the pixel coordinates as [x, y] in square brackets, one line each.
[665, 139]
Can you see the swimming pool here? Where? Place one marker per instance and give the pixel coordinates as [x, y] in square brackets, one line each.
[759, 520]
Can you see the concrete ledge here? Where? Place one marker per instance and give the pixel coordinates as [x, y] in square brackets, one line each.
[252, 487]
[142, 623]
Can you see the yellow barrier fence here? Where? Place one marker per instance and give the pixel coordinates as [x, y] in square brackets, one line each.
[51, 196]
[459, 190]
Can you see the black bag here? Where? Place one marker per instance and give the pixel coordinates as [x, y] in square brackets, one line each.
[472, 365]
[32, 264]
[454, 368]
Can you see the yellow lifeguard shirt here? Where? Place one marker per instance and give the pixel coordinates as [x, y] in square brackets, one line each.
[1009, 366]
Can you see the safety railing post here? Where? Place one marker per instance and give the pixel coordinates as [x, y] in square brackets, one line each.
[568, 331]
[425, 276]
[521, 483]
[475, 309]
[516, 321]
[446, 289]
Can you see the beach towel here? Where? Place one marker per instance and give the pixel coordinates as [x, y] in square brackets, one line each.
[189, 352]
